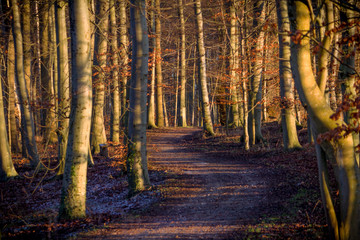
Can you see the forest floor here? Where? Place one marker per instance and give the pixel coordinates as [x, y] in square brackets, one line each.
[202, 188]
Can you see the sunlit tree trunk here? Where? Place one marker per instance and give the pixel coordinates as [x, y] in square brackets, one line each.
[63, 81]
[136, 162]
[124, 58]
[290, 137]
[115, 89]
[182, 120]
[73, 193]
[14, 135]
[27, 118]
[159, 87]
[208, 126]
[234, 55]
[98, 135]
[151, 109]
[344, 222]
[7, 169]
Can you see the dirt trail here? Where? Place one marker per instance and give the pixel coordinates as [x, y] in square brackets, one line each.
[204, 197]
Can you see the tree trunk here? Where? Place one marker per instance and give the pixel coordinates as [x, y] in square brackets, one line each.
[26, 27]
[182, 120]
[63, 81]
[14, 125]
[290, 137]
[47, 89]
[7, 169]
[234, 64]
[151, 110]
[208, 126]
[256, 71]
[27, 118]
[347, 73]
[98, 135]
[73, 194]
[124, 59]
[340, 152]
[115, 89]
[159, 84]
[136, 162]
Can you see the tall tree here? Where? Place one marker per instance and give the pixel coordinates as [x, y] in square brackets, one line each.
[182, 121]
[136, 162]
[255, 94]
[26, 116]
[234, 63]
[73, 193]
[47, 88]
[13, 129]
[343, 222]
[63, 81]
[158, 69]
[290, 138]
[7, 169]
[124, 58]
[115, 88]
[151, 109]
[98, 135]
[208, 126]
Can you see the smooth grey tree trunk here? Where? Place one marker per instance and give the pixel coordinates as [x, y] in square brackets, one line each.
[63, 81]
[255, 95]
[159, 77]
[136, 162]
[208, 126]
[115, 88]
[73, 193]
[288, 123]
[151, 109]
[182, 120]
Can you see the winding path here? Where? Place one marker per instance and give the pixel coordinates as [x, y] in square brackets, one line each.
[205, 197]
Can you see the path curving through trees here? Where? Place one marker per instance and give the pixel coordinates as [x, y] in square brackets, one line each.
[203, 196]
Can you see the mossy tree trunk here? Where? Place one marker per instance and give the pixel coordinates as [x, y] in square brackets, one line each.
[73, 193]
[136, 162]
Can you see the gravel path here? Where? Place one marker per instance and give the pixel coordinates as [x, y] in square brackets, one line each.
[204, 197]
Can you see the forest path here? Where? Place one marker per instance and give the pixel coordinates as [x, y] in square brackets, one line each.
[204, 196]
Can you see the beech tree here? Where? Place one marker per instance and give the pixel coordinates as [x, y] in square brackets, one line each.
[73, 193]
[343, 222]
[208, 126]
[136, 162]
[290, 138]
[98, 135]
[28, 128]
[182, 121]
